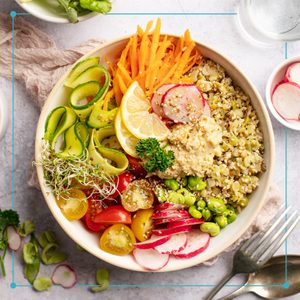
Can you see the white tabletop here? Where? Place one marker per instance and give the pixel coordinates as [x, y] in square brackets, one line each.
[222, 33]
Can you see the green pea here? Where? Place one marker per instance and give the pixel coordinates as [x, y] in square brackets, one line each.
[172, 184]
[221, 221]
[216, 205]
[42, 284]
[201, 204]
[212, 228]
[175, 197]
[206, 213]
[196, 183]
[194, 212]
[231, 217]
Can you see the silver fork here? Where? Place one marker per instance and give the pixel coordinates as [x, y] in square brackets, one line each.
[255, 252]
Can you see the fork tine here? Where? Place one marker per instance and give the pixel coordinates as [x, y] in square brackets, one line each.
[266, 240]
[276, 244]
[271, 225]
[249, 241]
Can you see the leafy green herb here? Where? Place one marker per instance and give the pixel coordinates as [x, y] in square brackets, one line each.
[156, 157]
[102, 278]
[42, 284]
[100, 6]
[7, 218]
[32, 270]
[26, 228]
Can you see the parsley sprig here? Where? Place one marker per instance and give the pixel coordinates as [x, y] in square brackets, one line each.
[156, 157]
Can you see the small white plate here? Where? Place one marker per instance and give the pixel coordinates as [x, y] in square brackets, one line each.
[3, 115]
[49, 10]
[277, 76]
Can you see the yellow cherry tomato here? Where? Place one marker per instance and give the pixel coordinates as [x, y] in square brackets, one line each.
[73, 204]
[142, 224]
[118, 239]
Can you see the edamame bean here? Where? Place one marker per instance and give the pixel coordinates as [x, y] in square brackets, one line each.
[196, 183]
[231, 217]
[172, 184]
[175, 197]
[216, 205]
[243, 202]
[42, 284]
[194, 212]
[212, 228]
[184, 181]
[206, 214]
[189, 198]
[221, 221]
[201, 204]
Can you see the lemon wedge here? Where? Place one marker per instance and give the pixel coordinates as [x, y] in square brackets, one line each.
[125, 138]
[137, 118]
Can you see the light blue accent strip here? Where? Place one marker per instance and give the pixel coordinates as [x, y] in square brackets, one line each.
[172, 14]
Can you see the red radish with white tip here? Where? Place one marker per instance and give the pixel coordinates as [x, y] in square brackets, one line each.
[165, 220]
[177, 242]
[157, 98]
[171, 231]
[183, 103]
[197, 242]
[293, 73]
[150, 259]
[206, 109]
[185, 222]
[13, 238]
[163, 214]
[152, 242]
[169, 206]
[286, 100]
[65, 276]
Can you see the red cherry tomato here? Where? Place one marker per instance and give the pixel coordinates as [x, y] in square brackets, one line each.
[112, 215]
[136, 166]
[122, 181]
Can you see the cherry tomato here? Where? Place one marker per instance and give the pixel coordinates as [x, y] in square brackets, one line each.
[142, 224]
[122, 181]
[138, 195]
[73, 204]
[136, 166]
[113, 214]
[118, 239]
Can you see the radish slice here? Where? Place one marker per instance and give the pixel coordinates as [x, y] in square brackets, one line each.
[13, 238]
[206, 109]
[152, 242]
[293, 73]
[177, 242]
[150, 259]
[171, 231]
[179, 214]
[157, 98]
[286, 100]
[164, 221]
[185, 222]
[197, 242]
[169, 206]
[65, 276]
[183, 103]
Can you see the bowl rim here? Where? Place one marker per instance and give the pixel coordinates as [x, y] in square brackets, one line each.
[188, 263]
[58, 20]
[284, 64]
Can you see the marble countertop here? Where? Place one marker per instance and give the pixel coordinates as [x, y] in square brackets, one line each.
[222, 33]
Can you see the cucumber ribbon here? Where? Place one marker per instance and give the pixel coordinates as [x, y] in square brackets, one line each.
[112, 161]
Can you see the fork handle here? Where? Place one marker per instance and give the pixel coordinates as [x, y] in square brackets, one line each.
[242, 290]
[220, 285]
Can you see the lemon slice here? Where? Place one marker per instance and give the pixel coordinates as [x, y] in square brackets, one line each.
[136, 117]
[125, 138]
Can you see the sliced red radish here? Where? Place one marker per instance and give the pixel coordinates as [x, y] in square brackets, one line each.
[13, 238]
[286, 100]
[183, 103]
[293, 73]
[164, 214]
[185, 222]
[152, 242]
[65, 276]
[177, 242]
[171, 231]
[164, 221]
[197, 242]
[157, 99]
[206, 109]
[150, 259]
[169, 206]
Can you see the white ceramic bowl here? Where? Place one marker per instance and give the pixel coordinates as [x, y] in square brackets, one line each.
[50, 11]
[218, 244]
[277, 76]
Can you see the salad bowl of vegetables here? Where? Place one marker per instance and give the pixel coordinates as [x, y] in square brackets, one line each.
[154, 152]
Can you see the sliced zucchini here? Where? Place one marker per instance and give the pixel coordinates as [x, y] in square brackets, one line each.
[100, 118]
[79, 68]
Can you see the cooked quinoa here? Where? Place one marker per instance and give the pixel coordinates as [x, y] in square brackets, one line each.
[233, 174]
